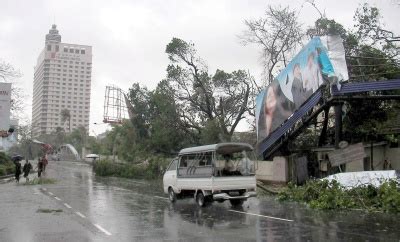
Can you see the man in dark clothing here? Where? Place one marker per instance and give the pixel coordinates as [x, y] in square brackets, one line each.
[27, 168]
[298, 91]
[40, 167]
[17, 170]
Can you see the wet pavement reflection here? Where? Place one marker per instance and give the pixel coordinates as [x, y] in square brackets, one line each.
[134, 210]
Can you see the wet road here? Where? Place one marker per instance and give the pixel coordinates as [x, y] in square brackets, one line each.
[114, 209]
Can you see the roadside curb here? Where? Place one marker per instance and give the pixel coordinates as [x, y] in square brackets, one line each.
[6, 176]
[267, 189]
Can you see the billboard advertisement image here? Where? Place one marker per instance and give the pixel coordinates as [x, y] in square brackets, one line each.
[308, 70]
[5, 105]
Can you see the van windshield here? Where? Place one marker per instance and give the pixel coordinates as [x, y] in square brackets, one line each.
[234, 164]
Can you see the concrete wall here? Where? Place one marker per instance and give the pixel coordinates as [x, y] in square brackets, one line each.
[355, 166]
[280, 169]
[380, 153]
[273, 171]
[264, 171]
[379, 156]
[393, 155]
[277, 170]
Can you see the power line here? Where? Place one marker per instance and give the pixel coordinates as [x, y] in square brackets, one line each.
[386, 64]
[369, 57]
[375, 74]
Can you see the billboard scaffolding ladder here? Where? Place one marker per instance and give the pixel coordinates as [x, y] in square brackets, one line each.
[116, 105]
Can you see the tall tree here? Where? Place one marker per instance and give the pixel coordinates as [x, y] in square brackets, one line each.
[78, 138]
[140, 99]
[168, 134]
[7, 71]
[222, 98]
[370, 28]
[278, 33]
[66, 115]
[9, 74]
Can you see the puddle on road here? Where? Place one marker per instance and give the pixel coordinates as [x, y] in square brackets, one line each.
[46, 210]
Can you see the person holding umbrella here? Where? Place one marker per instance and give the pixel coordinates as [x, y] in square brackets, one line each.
[16, 159]
[17, 170]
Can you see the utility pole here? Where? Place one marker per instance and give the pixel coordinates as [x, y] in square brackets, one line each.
[338, 124]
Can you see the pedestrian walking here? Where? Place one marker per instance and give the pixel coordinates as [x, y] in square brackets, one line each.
[40, 167]
[17, 170]
[45, 162]
[26, 169]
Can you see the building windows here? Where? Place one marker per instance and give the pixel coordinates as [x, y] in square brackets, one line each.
[57, 48]
[48, 47]
[65, 50]
[76, 51]
[82, 52]
[71, 50]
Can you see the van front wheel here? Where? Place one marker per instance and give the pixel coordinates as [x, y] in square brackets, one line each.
[171, 195]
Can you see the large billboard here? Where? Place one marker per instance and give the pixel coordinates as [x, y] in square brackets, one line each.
[5, 105]
[320, 61]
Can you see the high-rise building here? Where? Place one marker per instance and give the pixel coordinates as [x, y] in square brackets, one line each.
[62, 81]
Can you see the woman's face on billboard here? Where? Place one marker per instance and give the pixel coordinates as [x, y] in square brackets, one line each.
[269, 108]
[270, 101]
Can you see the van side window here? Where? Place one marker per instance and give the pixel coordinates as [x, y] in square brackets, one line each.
[205, 159]
[184, 161]
[172, 166]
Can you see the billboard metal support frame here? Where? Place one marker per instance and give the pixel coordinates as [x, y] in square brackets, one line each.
[338, 124]
[303, 116]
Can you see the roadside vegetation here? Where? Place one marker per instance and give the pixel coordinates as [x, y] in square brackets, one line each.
[6, 165]
[153, 168]
[326, 195]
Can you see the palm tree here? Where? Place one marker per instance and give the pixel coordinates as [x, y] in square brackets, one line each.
[66, 115]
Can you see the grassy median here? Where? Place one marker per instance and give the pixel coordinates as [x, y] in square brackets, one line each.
[6, 165]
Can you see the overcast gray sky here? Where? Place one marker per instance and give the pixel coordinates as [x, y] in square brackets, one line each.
[129, 37]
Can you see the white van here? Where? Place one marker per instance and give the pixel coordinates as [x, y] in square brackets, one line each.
[210, 173]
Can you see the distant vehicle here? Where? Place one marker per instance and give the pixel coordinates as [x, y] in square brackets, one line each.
[92, 157]
[210, 173]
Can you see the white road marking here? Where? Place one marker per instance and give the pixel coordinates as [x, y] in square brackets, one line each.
[264, 216]
[51, 193]
[121, 189]
[80, 215]
[102, 229]
[36, 191]
[67, 205]
[57, 198]
[44, 189]
[161, 197]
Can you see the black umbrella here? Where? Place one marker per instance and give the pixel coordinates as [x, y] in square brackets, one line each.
[15, 158]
